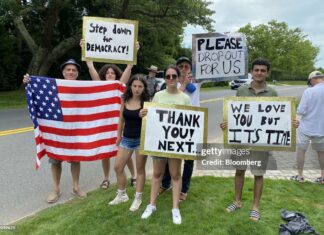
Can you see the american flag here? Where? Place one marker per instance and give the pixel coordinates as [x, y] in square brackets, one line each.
[74, 120]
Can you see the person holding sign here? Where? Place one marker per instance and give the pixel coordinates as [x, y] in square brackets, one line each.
[70, 71]
[172, 95]
[111, 72]
[129, 130]
[193, 91]
[257, 88]
[311, 127]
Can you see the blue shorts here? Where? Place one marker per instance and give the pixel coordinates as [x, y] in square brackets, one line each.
[130, 143]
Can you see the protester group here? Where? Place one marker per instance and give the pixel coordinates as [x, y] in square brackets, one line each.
[183, 89]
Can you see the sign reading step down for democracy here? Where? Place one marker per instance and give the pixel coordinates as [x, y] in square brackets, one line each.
[262, 123]
[217, 56]
[173, 131]
[109, 40]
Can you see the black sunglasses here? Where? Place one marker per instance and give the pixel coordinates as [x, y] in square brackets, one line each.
[173, 76]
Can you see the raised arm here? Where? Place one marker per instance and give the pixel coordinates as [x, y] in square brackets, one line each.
[126, 74]
[92, 70]
[128, 70]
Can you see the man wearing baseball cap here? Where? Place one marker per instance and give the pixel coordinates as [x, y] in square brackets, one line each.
[311, 127]
[70, 71]
[152, 83]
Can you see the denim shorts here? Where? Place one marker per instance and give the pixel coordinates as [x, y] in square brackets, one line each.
[130, 143]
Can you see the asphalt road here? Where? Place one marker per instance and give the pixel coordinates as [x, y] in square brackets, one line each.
[24, 190]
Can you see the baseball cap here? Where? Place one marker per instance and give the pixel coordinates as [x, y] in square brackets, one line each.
[152, 68]
[183, 59]
[315, 74]
[70, 61]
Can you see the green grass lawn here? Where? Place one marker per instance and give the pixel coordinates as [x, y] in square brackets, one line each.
[12, 99]
[202, 213]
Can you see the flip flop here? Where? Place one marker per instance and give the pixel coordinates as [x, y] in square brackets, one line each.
[53, 197]
[105, 184]
[255, 215]
[319, 180]
[232, 207]
[297, 178]
[183, 197]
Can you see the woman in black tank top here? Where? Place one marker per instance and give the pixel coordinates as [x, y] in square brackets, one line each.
[128, 140]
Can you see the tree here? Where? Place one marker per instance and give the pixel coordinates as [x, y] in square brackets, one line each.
[52, 28]
[289, 50]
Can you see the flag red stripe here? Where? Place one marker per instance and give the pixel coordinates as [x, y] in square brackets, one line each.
[41, 154]
[90, 103]
[90, 117]
[78, 132]
[38, 140]
[90, 89]
[79, 145]
[80, 158]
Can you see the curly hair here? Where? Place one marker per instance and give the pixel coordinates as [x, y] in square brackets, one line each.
[129, 94]
[104, 69]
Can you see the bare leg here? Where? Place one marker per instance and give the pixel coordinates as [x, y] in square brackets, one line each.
[258, 187]
[239, 183]
[175, 172]
[123, 156]
[140, 168]
[130, 166]
[106, 167]
[321, 162]
[56, 175]
[300, 161]
[75, 171]
[158, 171]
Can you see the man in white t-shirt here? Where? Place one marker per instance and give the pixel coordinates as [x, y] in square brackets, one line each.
[311, 127]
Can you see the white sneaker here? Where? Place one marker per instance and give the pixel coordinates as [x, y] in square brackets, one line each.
[136, 204]
[120, 198]
[176, 217]
[148, 211]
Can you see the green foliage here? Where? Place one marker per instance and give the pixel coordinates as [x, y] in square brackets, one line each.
[288, 50]
[202, 213]
[49, 23]
[9, 60]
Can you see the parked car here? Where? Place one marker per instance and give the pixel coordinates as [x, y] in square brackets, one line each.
[235, 84]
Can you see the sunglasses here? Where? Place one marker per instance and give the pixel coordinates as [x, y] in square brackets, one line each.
[172, 76]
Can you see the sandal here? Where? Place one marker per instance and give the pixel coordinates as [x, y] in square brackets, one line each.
[232, 207]
[255, 215]
[319, 180]
[133, 182]
[105, 184]
[183, 197]
[297, 178]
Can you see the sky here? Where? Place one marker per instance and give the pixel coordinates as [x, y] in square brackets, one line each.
[308, 15]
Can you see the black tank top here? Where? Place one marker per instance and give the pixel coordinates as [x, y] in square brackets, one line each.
[133, 123]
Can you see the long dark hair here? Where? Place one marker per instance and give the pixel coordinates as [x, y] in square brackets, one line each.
[104, 69]
[129, 94]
